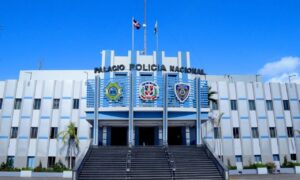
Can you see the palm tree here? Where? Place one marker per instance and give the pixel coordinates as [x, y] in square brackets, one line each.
[69, 137]
[210, 95]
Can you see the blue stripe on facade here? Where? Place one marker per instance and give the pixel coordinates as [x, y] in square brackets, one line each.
[65, 117]
[47, 97]
[242, 98]
[25, 117]
[66, 97]
[264, 137]
[83, 138]
[281, 137]
[296, 117]
[23, 137]
[43, 137]
[293, 99]
[298, 136]
[224, 98]
[8, 97]
[244, 117]
[6, 117]
[45, 117]
[226, 117]
[3, 137]
[262, 117]
[227, 137]
[279, 117]
[27, 97]
[246, 137]
[208, 137]
[260, 99]
[277, 99]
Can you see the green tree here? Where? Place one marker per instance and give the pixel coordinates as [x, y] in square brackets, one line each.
[211, 93]
[70, 138]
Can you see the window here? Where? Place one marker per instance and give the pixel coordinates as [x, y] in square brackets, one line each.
[233, 105]
[55, 103]
[276, 157]
[75, 103]
[33, 132]
[51, 162]
[37, 104]
[10, 161]
[286, 105]
[53, 133]
[273, 132]
[257, 158]
[217, 133]
[17, 104]
[293, 157]
[14, 132]
[30, 162]
[146, 74]
[255, 132]
[76, 131]
[290, 131]
[238, 158]
[120, 74]
[236, 132]
[215, 105]
[1, 101]
[269, 105]
[252, 105]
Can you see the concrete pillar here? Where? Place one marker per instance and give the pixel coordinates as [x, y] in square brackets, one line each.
[187, 135]
[165, 111]
[198, 122]
[95, 125]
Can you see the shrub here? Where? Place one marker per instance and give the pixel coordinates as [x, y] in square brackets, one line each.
[8, 167]
[232, 167]
[271, 167]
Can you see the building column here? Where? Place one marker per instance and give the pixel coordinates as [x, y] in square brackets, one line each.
[198, 122]
[130, 118]
[187, 135]
[95, 125]
[165, 111]
[104, 136]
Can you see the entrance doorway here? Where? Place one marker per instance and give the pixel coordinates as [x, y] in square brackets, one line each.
[146, 136]
[118, 136]
[176, 135]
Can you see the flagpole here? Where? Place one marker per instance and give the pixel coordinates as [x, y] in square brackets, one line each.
[145, 29]
[132, 35]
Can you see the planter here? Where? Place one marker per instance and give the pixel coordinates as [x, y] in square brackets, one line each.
[25, 173]
[46, 174]
[297, 169]
[67, 174]
[249, 171]
[234, 172]
[9, 173]
[262, 170]
[287, 170]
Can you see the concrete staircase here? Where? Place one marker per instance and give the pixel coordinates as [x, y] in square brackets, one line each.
[193, 163]
[149, 162]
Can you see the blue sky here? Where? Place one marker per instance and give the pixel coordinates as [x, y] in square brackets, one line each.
[223, 37]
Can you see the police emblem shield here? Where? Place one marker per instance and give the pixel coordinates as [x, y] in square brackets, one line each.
[149, 91]
[113, 91]
[182, 91]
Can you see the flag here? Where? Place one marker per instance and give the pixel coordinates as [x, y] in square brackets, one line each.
[136, 24]
[156, 28]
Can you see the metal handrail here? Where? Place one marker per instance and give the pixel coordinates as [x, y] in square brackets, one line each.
[171, 161]
[78, 168]
[128, 163]
[221, 167]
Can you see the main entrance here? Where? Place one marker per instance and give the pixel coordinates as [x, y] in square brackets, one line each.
[176, 136]
[118, 136]
[146, 136]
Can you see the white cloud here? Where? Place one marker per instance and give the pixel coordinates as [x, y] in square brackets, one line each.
[282, 70]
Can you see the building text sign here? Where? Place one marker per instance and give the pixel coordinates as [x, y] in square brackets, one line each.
[148, 67]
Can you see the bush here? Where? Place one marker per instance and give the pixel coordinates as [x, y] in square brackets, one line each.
[58, 167]
[255, 166]
[8, 167]
[232, 167]
[271, 167]
[26, 169]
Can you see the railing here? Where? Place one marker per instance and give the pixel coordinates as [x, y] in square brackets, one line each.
[128, 163]
[222, 169]
[171, 161]
[76, 170]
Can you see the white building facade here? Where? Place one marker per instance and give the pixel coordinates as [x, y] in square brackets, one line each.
[110, 106]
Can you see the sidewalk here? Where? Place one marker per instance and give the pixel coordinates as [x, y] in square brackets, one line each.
[267, 177]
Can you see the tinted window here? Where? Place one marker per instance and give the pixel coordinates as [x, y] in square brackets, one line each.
[252, 105]
[55, 103]
[14, 132]
[37, 104]
[33, 132]
[233, 105]
[255, 132]
[286, 105]
[236, 133]
[17, 104]
[269, 105]
[75, 103]
[273, 132]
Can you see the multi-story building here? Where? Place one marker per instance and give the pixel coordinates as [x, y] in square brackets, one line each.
[147, 100]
